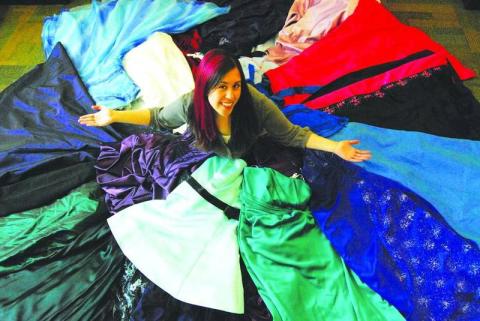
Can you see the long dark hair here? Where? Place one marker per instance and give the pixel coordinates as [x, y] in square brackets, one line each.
[201, 118]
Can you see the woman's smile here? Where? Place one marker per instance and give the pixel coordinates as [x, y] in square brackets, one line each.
[224, 96]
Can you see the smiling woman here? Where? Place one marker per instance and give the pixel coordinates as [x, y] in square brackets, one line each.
[226, 115]
[225, 94]
[227, 120]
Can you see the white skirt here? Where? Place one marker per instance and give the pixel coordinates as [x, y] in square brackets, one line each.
[184, 244]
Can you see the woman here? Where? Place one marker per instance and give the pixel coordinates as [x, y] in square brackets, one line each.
[226, 115]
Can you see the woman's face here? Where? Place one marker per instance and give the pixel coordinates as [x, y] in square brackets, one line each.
[224, 96]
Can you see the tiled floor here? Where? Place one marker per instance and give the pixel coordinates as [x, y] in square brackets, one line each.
[20, 42]
[450, 24]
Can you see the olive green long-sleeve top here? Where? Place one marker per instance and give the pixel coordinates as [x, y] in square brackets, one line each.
[272, 120]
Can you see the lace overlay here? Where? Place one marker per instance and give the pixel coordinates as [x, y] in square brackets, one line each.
[132, 286]
[380, 93]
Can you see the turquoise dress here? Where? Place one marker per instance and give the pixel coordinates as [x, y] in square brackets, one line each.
[97, 37]
[445, 171]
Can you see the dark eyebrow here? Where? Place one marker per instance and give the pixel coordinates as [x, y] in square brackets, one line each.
[225, 83]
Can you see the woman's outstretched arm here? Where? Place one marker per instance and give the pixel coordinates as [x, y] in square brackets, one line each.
[105, 116]
[282, 130]
[343, 148]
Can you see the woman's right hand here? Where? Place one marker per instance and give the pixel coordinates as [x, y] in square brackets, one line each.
[103, 117]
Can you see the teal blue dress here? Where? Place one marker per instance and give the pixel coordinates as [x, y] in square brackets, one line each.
[98, 36]
[59, 261]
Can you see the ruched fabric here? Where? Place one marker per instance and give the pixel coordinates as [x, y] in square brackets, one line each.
[145, 167]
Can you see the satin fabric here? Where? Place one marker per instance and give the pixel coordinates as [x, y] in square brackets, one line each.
[41, 142]
[98, 36]
[59, 262]
[419, 161]
[442, 170]
[25, 235]
[183, 239]
[296, 271]
[395, 241]
[138, 299]
[370, 36]
[248, 23]
[365, 82]
[149, 166]
[159, 69]
[434, 101]
[307, 22]
[145, 167]
[318, 121]
[45, 187]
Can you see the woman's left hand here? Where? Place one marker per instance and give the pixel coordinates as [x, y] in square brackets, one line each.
[345, 150]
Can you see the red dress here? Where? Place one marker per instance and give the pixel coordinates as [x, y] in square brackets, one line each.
[370, 36]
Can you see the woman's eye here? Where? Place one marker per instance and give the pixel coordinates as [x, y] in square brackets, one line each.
[236, 86]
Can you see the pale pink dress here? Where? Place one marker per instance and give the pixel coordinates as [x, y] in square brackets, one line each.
[307, 22]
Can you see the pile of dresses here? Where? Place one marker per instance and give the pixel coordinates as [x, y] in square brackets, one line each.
[127, 223]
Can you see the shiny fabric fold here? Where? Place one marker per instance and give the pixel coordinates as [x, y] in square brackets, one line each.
[97, 37]
[307, 22]
[145, 167]
[318, 121]
[293, 265]
[442, 170]
[159, 69]
[395, 241]
[59, 262]
[247, 24]
[183, 238]
[138, 299]
[40, 137]
[370, 36]
[434, 101]
[149, 166]
[25, 235]
[46, 186]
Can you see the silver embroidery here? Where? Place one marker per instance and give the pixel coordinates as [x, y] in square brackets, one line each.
[423, 301]
[428, 245]
[408, 244]
[440, 283]
[433, 264]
